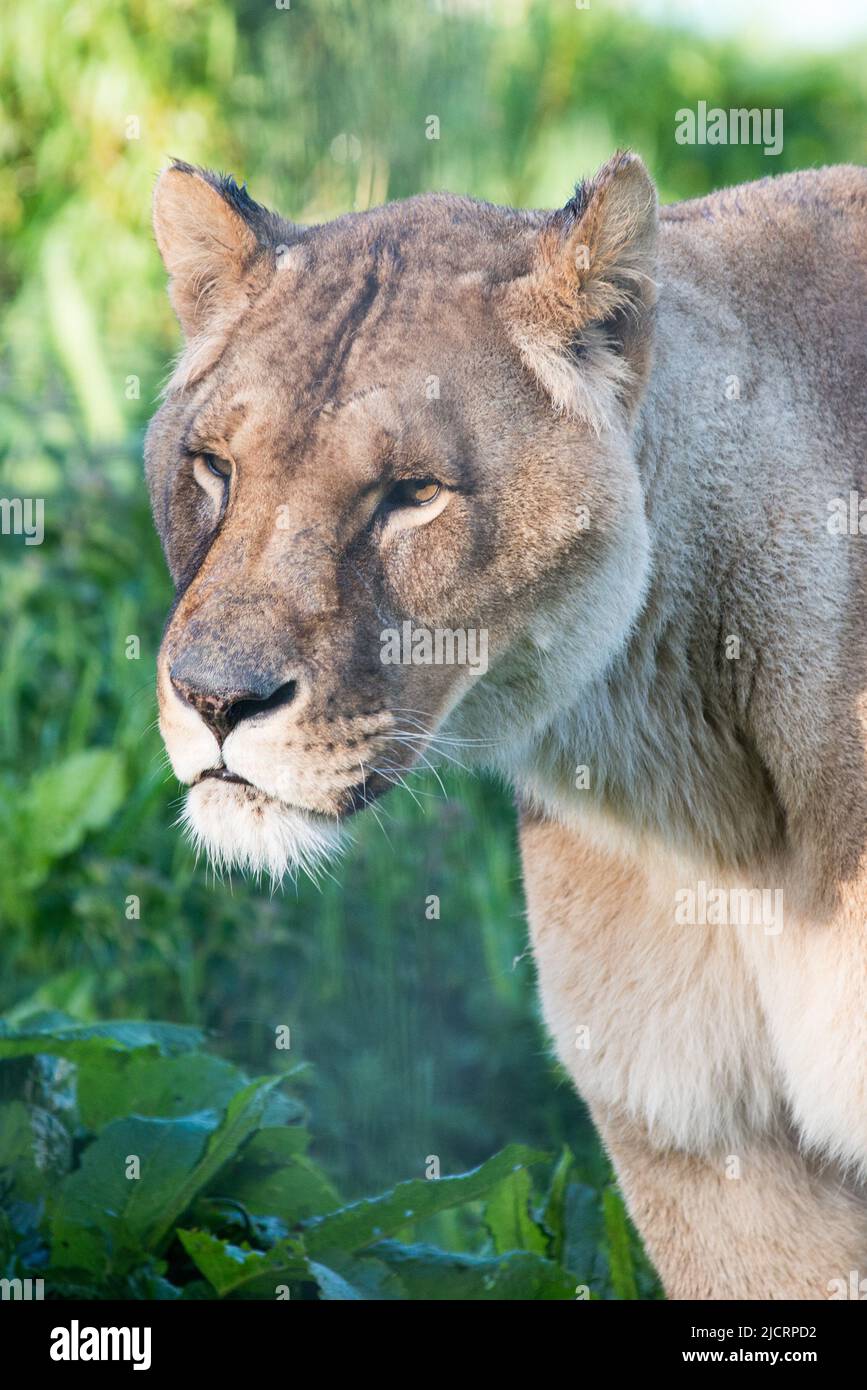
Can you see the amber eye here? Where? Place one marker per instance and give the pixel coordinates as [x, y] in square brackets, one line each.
[415, 492]
[219, 467]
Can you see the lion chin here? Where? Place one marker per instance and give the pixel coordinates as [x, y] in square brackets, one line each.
[238, 826]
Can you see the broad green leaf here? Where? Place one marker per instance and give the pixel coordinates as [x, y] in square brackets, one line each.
[274, 1177]
[78, 1041]
[146, 1284]
[282, 1110]
[373, 1219]
[140, 1083]
[554, 1211]
[274, 1145]
[584, 1252]
[432, 1275]
[67, 799]
[242, 1272]
[243, 1115]
[333, 1287]
[103, 1220]
[20, 1176]
[619, 1253]
[507, 1216]
[349, 1279]
[293, 1192]
[71, 991]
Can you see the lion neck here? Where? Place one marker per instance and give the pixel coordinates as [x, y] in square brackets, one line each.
[660, 745]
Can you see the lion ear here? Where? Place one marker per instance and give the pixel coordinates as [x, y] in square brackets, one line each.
[216, 243]
[582, 315]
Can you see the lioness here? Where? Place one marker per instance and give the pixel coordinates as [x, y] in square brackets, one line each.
[628, 446]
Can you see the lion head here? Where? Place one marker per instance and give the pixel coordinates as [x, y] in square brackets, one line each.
[395, 483]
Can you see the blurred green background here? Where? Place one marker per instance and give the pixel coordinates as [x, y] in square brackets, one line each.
[423, 1034]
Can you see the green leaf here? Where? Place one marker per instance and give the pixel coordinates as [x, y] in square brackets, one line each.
[373, 1219]
[244, 1114]
[584, 1236]
[241, 1271]
[140, 1083]
[71, 991]
[20, 1175]
[432, 1275]
[554, 1212]
[66, 800]
[297, 1191]
[274, 1177]
[102, 1220]
[55, 1035]
[619, 1252]
[274, 1145]
[507, 1216]
[349, 1279]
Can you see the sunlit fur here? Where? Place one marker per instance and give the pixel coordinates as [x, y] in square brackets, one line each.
[238, 827]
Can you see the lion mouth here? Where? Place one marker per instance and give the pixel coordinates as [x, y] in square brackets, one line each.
[353, 799]
[224, 775]
[237, 825]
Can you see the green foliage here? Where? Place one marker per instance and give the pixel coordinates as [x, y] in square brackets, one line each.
[508, 1216]
[103, 1219]
[52, 1034]
[619, 1252]
[242, 1271]
[372, 1219]
[225, 1201]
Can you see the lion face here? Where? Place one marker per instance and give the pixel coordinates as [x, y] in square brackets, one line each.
[395, 486]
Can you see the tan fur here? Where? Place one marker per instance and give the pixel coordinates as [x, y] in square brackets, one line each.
[642, 422]
[785, 1227]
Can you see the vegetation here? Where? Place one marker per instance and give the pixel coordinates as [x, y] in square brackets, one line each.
[136, 1165]
[418, 1032]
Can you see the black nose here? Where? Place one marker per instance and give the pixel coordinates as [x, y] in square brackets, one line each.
[223, 710]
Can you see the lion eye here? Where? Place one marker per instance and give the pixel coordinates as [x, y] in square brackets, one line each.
[415, 492]
[213, 476]
[219, 467]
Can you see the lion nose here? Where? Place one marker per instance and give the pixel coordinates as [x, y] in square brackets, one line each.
[223, 710]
